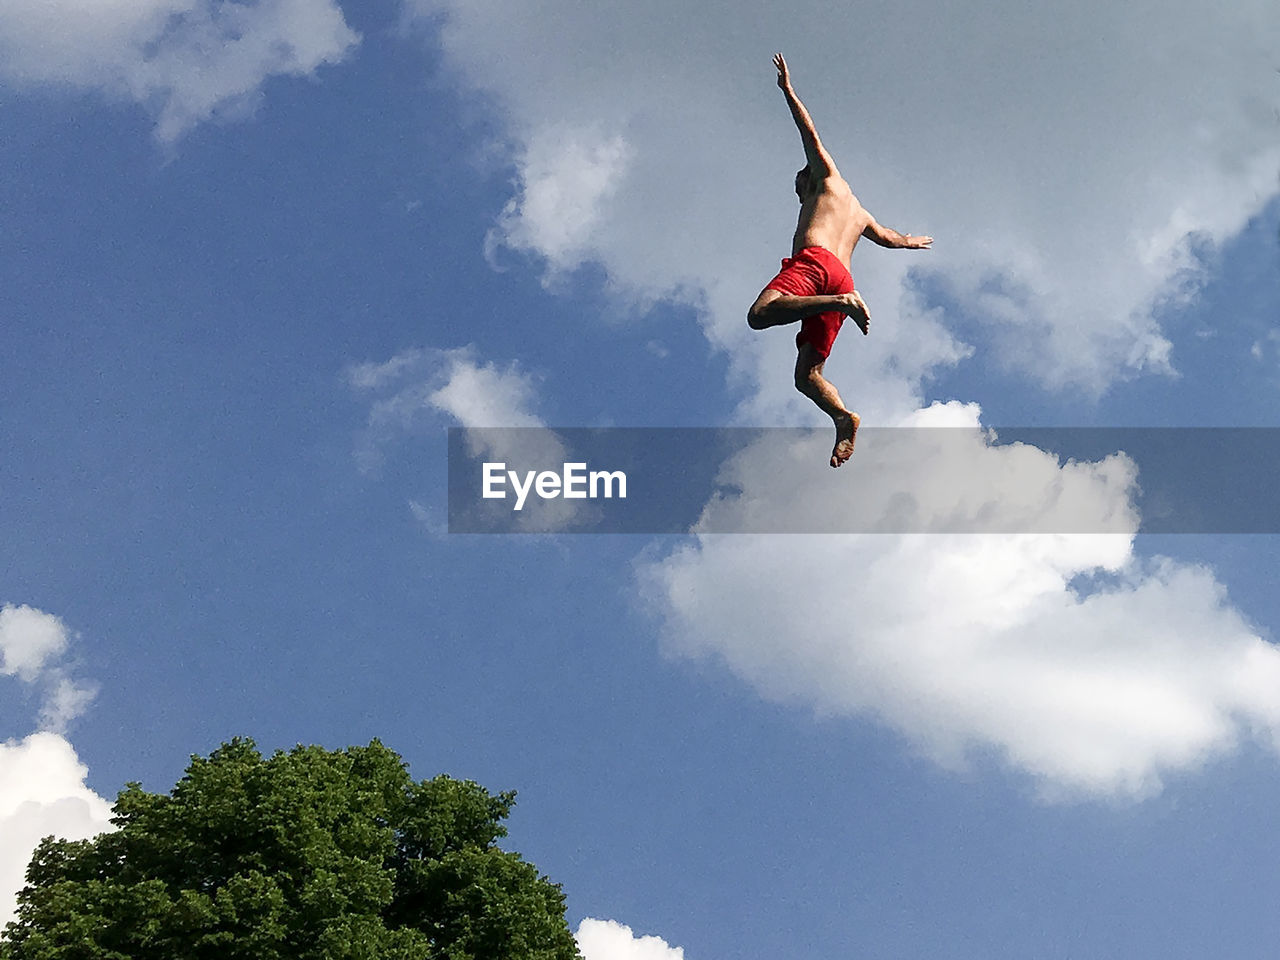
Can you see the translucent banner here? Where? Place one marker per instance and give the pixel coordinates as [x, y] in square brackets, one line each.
[900, 480]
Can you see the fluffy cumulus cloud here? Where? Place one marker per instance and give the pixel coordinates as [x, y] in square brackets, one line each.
[1063, 655]
[973, 644]
[42, 793]
[610, 940]
[42, 788]
[1063, 155]
[185, 60]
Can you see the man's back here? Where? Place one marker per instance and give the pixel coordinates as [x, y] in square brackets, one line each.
[830, 217]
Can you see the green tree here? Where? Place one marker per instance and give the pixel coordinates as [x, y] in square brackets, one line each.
[306, 854]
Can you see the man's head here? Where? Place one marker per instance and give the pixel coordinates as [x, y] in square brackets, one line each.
[802, 182]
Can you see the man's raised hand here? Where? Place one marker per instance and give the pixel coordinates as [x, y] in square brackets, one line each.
[917, 243]
[784, 78]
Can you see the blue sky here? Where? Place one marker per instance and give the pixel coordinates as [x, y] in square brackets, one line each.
[216, 216]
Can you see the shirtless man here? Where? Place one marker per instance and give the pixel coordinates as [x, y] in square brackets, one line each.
[814, 286]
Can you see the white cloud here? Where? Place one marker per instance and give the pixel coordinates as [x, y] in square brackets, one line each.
[937, 472]
[1270, 344]
[184, 60]
[1060, 153]
[610, 940]
[28, 639]
[424, 383]
[42, 792]
[32, 647]
[566, 180]
[42, 788]
[478, 394]
[1064, 655]
[474, 392]
[66, 700]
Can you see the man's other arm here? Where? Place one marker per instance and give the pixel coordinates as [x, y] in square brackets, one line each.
[885, 237]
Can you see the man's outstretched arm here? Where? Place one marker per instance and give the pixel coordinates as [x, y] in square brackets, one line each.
[820, 162]
[892, 238]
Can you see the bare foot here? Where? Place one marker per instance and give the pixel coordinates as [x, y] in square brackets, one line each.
[856, 308]
[846, 428]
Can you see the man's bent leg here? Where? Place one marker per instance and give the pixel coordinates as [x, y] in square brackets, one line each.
[811, 382]
[773, 307]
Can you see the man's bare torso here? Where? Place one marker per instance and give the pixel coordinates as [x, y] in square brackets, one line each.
[830, 217]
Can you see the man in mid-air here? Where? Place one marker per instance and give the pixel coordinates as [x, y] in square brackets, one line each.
[815, 286]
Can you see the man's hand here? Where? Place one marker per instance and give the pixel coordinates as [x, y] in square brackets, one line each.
[784, 78]
[916, 243]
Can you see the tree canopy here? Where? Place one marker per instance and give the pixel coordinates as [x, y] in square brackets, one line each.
[305, 854]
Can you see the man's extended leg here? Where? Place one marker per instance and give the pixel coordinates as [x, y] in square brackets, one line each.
[774, 307]
[811, 382]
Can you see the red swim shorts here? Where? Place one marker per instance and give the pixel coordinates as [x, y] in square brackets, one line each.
[815, 272]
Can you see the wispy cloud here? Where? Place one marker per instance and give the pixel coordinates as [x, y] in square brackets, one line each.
[67, 699]
[33, 645]
[567, 178]
[428, 385]
[422, 387]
